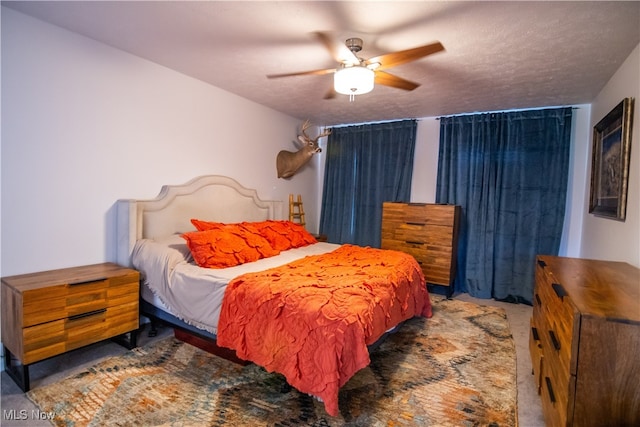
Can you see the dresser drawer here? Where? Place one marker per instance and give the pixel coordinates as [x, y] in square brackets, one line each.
[415, 213]
[556, 375]
[429, 234]
[553, 305]
[537, 356]
[419, 215]
[559, 346]
[545, 295]
[555, 409]
[416, 249]
[438, 265]
[409, 232]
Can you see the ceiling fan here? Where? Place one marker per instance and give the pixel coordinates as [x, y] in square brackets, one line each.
[355, 76]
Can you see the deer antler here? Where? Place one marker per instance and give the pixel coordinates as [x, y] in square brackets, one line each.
[325, 132]
[306, 125]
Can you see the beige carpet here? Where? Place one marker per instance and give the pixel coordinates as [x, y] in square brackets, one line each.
[455, 369]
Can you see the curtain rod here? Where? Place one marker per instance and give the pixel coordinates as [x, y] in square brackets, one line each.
[505, 111]
[372, 123]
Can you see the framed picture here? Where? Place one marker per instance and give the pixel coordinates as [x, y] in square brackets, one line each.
[610, 162]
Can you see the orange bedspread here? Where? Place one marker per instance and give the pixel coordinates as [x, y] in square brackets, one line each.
[311, 320]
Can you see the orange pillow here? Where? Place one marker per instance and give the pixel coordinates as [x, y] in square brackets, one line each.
[298, 235]
[274, 231]
[282, 235]
[227, 246]
[206, 225]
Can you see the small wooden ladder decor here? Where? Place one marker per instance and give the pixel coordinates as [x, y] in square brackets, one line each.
[296, 210]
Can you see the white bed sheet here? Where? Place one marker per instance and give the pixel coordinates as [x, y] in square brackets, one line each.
[191, 293]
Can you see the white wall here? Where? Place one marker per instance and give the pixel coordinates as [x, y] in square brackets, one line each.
[574, 214]
[84, 125]
[425, 161]
[609, 239]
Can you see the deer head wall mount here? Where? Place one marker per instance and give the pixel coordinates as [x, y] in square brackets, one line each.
[288, 163]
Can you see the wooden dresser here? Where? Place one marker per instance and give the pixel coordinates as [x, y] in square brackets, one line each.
[48, 313]
[429, 232]
[585, 341]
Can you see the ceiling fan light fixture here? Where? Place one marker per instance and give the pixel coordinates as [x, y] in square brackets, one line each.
[355, 80]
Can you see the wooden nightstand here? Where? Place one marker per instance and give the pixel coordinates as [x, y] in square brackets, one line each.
[51, 312]
[320, 237]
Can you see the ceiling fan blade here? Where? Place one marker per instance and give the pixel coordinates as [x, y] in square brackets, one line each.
[331, 93]
[339, 51]
[386, 79]
[403, 56]
[304, 73]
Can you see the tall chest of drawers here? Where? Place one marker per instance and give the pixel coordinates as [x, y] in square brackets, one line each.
[585, 341]
[427, 231]
[48, 313]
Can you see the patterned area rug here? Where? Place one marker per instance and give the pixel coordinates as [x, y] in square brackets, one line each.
[455, 369]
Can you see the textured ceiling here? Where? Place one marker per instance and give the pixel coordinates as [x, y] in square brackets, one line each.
[499, 55]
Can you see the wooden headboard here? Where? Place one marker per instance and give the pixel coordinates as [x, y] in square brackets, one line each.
[209, 197]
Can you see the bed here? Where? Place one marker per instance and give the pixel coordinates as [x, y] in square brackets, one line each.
[306, 309]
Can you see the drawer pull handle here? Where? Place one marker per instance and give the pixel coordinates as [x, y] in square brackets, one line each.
[88, 282]
[416, 204]
[538, 299]
[554, 340]
[552, 396]
[411, 242]
[542, 263]
[559, 290]
[91, 313]
[534, 333]
[415, 223]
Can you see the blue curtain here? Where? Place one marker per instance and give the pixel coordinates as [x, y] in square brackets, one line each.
[365, 166]
[509, 173]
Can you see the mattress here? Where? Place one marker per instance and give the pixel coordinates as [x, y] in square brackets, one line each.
[174, 283]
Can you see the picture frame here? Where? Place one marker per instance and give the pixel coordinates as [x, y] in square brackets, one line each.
[610, 162]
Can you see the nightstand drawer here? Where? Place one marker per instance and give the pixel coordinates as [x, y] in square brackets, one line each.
[59, 302]
[53, 338]
[124, 293]
[63, 301]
